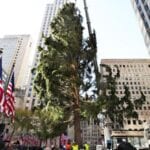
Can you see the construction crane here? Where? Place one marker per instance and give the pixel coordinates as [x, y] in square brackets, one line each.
[93, 44]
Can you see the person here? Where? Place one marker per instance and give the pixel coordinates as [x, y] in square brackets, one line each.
[125, 146]
[53, 147]
[86, 146]
[48, 148]
[75, 146]
[68, 145]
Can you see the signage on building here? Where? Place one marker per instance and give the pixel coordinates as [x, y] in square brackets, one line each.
[127, 133]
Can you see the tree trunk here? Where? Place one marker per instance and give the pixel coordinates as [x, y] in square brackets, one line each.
[77, 129]
[11, 135]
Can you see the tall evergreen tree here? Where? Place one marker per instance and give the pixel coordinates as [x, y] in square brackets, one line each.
[65, 68]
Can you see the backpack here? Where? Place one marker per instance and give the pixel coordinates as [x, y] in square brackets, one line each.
[68, 146]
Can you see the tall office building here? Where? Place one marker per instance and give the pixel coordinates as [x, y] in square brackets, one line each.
[142, 10]
[50, 13]
[135, 74]
[17, 48]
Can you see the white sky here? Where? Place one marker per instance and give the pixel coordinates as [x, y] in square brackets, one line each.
[118, 32]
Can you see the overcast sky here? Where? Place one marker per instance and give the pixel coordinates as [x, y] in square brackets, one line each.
[117, 28]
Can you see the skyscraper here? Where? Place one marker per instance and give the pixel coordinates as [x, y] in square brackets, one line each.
[50, 13]
[17, 48]
[134, 73]
[142, 10]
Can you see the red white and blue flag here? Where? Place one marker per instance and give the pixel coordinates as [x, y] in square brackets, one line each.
[9, 100]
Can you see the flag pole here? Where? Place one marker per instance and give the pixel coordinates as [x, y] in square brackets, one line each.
[9, 77]
[1, 52]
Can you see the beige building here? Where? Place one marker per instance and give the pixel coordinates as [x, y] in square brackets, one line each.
[17, 49]
[134, 73]
[91, 133]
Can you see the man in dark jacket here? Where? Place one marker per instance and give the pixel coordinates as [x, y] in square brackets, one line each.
[125, 146]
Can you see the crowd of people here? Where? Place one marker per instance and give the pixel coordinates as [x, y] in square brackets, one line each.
[75, 146]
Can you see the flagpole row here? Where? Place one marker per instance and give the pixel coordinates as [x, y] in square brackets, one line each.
[1, 52]
[9, 77]
[6, 86]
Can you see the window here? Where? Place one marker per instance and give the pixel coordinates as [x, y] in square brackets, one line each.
[146, 7]
[143, 1]
[129, 122]
[139, 121]
[137, 1]
[146, 24]
[29, 94]
[134, 122]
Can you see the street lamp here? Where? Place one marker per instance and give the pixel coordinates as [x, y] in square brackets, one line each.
[105, 124]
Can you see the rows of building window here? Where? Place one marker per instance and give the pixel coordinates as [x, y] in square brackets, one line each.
[135, 122]
[129, 83]
[143, 108]
[131, 92]
[144, 16]
[90, 134]
[131, 65]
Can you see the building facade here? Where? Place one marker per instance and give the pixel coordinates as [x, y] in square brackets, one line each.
[50, 13]
[135, 74]
[17, 49]
[142, 10]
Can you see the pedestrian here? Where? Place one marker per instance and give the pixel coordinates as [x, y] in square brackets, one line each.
[125, 146]
[75, 146]
[47, 148]
[86, 146]
[53, 147]
[68, 145]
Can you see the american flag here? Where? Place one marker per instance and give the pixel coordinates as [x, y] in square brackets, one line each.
[1, 87]
[9, 100]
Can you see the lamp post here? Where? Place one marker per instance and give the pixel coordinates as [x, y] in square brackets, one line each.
[1, 80]
[105, 124]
